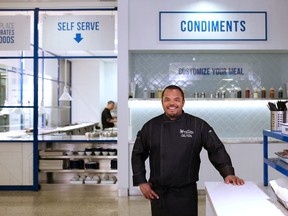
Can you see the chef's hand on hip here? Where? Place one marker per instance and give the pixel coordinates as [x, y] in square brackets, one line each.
[231, 179]
[148, 192]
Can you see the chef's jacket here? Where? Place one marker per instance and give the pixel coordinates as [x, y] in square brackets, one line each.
[173, 148]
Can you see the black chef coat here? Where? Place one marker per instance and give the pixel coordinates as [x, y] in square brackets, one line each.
[173, 148]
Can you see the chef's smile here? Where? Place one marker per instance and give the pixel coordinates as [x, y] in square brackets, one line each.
[172, 109]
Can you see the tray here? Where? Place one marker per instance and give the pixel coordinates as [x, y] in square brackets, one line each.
[282, 156]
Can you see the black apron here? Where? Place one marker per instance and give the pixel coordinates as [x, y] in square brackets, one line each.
[175, 201]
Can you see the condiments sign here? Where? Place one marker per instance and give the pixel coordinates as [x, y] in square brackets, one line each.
[15, 32]
[79, 32]
[201, 26]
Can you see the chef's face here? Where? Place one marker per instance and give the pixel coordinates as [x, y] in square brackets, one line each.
[172, 103]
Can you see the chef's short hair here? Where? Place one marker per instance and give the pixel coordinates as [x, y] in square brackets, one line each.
[173, 87]
[110, 102]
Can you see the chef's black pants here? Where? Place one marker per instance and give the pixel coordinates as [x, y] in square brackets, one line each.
[175, 201]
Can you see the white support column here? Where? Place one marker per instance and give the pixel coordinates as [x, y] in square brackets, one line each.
[123, 119]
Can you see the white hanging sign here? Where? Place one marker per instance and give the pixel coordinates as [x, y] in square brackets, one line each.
[201, 26]
[209, 70]
[15, 32]
[91, 32]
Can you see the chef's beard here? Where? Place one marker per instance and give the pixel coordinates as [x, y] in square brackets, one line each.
[172, 111]
[173, 115]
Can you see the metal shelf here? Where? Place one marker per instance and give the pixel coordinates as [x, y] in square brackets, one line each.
[70, 186]
[276, 134]
[80, 157]
[76, 139]
[275, 163]
[77, 171]
[54, 177]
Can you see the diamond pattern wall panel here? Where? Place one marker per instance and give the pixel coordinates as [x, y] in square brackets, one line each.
[231, 119]
[151, 70]
[261, 70]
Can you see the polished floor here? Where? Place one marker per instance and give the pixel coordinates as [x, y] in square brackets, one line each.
[75, 203]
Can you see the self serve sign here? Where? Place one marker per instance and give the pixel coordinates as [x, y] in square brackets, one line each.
[79, 32]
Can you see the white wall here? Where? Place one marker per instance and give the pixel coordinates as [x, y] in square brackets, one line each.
[108, 85]
[85, 92]
[93, 84]
[144, 29]
[139, 31]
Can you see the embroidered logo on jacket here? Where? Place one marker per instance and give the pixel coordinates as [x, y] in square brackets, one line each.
[186, 133]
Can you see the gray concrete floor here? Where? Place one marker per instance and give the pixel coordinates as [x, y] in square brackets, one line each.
[76, 203]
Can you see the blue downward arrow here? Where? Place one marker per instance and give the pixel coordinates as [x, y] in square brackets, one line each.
[78, 37]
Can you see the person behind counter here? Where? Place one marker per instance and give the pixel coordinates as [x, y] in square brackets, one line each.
[106, 117]
[173, 142]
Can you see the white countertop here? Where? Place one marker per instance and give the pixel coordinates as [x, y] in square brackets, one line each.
[244, 200]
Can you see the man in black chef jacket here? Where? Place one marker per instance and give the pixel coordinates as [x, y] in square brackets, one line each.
[173, 142]
[106, 118]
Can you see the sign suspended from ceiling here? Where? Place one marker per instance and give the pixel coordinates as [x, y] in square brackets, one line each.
[15, 32]
[93, 32]
[211, 26]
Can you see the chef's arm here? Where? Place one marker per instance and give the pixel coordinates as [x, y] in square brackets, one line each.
[217, 153]
[221, 159]
[112, 120]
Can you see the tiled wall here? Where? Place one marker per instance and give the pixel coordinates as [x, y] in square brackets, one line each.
[154, 70]
[232, 119]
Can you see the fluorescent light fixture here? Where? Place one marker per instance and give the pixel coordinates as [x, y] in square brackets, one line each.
[227, 79]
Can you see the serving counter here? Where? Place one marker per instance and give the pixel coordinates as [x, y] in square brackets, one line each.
[248, 199]
[21, 156]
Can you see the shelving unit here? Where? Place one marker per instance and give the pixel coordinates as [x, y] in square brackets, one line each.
[275, 163]
[74, 143]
